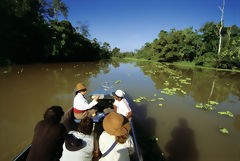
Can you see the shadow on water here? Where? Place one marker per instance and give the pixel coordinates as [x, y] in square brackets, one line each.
[148, 145]
[182, 146]
[236, 122]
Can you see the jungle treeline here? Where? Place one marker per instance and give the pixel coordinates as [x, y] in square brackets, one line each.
[200, 47]
[31, 32]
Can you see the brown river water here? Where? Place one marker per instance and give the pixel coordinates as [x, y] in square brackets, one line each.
[184, 132]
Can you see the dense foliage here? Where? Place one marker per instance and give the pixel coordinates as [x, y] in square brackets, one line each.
[199, 46]
[31, 32]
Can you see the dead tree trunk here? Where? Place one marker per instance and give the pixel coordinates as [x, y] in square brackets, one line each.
[220, 30]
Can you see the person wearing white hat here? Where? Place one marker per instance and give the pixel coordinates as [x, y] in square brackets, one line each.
[120, 104]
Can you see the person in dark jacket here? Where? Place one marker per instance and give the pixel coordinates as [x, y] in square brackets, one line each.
[48, 137]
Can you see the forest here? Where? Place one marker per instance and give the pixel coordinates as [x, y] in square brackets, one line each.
[199, 47]
[32, 32]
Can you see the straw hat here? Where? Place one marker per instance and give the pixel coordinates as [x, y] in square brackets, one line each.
[116, 124]
[80, 86]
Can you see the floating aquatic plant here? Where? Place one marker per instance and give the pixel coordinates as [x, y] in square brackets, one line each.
[204, 106]
[118, 81]
[166, 83]
[139, 99]
[152, 100]
[213, 102]
[228, 113]
[160, 105]
[183, 81]
[199, 105]
[168, 91]
[155, 94]
[77, 75]
[224, 131]
[183, 92]
[160, 98]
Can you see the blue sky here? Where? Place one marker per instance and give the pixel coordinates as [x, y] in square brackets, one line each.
[129, 24]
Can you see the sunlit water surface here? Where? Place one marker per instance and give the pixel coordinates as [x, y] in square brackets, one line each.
[184, 132]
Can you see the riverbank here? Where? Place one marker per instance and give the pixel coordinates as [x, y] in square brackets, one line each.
[183, 64]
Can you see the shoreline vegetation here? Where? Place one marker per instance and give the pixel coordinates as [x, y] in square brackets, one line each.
[41, 37]
[182, 64]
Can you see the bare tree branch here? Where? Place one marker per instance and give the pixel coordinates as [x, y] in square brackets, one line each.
[220, 30]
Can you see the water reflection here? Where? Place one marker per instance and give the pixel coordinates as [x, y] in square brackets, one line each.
[28, 90]
[182, 145]
[200, 81]
[236, 122]
[149, 147]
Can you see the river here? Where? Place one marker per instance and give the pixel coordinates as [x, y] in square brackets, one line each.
[163, 99]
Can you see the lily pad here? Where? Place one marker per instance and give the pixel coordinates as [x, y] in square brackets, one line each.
[183, 92]
[160, 98]
[213, 102]
[199, 105]
[138, 100]
[168, 91]
[228, 113]
[224, 131]
[204, 106]
[160, 105]
[166, 83]
[118, 81]
[152, 100]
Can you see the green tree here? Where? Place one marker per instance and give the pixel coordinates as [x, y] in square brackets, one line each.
[82, 28]
[115, 52]
[58, 8]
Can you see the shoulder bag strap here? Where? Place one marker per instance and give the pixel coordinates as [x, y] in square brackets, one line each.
[110, 149]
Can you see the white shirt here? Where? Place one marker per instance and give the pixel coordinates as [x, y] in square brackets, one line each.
[122, 107]
[84, 154]
[81, 103]
[120, 152]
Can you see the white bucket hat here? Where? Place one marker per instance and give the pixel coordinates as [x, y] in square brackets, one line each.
[119, 93]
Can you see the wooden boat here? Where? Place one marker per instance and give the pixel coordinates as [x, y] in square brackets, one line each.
[106, 100]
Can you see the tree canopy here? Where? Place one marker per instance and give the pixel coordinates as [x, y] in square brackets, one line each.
[31, 32]
[199, 46]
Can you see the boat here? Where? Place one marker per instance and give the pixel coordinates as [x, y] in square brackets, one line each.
[106, 100]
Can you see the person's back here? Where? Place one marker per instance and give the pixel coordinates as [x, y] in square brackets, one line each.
[79, 145]
[116, 131]
[48, 137]
[120, 152]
